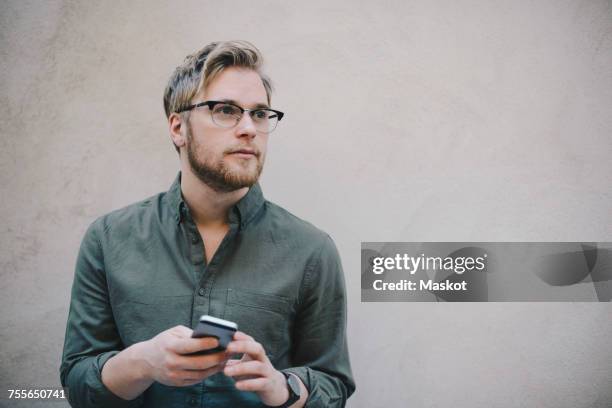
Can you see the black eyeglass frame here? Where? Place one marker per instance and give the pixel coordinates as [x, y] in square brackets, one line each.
[211, 106]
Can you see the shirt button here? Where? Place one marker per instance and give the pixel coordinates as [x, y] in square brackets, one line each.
[193, 401]
[194, 239]
[201, 292]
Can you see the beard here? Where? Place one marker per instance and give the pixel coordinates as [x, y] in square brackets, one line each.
[216, 174]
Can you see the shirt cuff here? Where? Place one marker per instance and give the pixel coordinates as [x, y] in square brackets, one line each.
[99, 394]
[320, 393]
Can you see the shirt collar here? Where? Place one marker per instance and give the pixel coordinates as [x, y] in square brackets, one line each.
[241, 213]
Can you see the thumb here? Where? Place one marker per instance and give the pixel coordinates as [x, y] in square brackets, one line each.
[181, 331]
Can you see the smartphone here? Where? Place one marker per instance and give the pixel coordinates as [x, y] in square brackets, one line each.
[222, 330]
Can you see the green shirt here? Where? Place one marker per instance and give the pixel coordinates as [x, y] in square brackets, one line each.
[142, 270]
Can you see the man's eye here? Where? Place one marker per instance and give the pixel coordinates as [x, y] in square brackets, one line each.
[261, 114]
[227, 110]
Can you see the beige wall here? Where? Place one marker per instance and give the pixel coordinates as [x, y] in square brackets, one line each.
[415, 121]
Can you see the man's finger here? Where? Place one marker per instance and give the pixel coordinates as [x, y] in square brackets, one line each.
[181, 331]
[191, 377]
[256, 384]
[197, 362]
[232, 362]
[252, 348]
[189, 345]
[251, 368]
[242, 336]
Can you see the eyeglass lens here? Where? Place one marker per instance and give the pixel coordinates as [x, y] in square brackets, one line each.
[226, 115]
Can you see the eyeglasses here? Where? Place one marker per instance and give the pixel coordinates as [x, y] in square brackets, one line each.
[227, 115]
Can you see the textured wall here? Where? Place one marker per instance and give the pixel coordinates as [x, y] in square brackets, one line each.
[429, 120]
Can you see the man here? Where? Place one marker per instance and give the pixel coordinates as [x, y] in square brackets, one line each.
[210, 245]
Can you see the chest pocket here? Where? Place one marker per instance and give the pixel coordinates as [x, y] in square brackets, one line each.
[264, 317]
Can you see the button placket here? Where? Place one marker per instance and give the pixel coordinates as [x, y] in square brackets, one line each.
[197, 248]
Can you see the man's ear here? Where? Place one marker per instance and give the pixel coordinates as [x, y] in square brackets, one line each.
[176, 123]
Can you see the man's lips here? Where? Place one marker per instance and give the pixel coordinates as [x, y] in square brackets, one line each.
[244, 152]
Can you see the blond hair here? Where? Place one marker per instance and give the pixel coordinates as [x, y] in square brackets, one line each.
[201, 67]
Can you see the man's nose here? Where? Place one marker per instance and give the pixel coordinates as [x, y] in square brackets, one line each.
[245, 126]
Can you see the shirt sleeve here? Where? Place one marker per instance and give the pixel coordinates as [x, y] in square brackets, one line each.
[320, 352]
[91, 335]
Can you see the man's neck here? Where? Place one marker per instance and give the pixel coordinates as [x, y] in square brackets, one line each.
[209, 208]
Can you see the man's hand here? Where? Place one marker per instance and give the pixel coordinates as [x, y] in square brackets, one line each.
[162, 359]
[254, 372]
[167, 363]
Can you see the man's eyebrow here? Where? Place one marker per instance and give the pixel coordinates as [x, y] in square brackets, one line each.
[257, 105]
